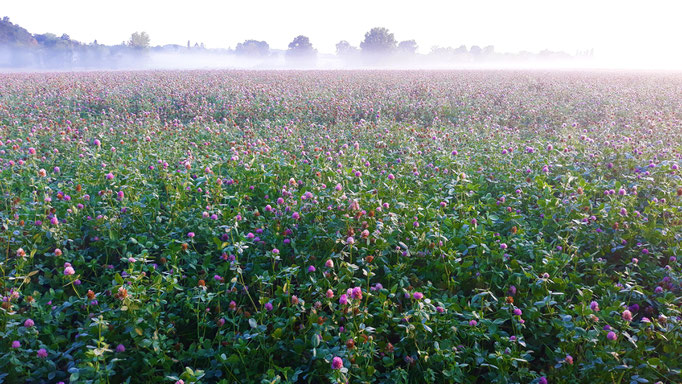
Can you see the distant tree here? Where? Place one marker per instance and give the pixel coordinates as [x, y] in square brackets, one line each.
[489, 50]
[343, 48]
[14, 35]
[475, 50]
[445, 54]
[301, 47]
[47, 40]
[442, 51]
[461, 50]
[253, 48]
[378, 41]
[139, 40]
[408, 47]
[57, 52]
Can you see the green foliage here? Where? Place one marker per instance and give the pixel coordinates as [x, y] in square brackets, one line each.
[330, 227]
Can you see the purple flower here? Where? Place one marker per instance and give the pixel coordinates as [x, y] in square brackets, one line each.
[343, 300]
[594, 306]
[311, 269]
[517, 312]
[268, 306]
[627, 315]
[16, 344]
[418, 295]
[337, 363]
[473, 323]
[357, 293]
[120, 348]
[68, 271]
[611, 336]
[190, 234]
[350, 240]
[511, 290]
[28, 323]
[503, 246]
[42, 353]
[542, 380]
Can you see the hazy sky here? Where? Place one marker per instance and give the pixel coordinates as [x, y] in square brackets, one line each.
[616, 30]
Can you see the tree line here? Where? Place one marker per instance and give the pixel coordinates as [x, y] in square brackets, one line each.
[19, 48]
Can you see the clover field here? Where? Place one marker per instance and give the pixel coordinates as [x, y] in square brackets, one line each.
[333, 227]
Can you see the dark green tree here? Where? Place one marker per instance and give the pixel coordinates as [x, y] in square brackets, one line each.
[301, 48]
[378, 41]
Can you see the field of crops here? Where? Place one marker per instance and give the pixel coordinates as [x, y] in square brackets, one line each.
[333, 227]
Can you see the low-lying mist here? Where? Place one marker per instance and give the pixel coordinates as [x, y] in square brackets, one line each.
[20, 59]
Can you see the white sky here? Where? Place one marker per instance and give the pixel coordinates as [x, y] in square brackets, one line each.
[618, 31]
